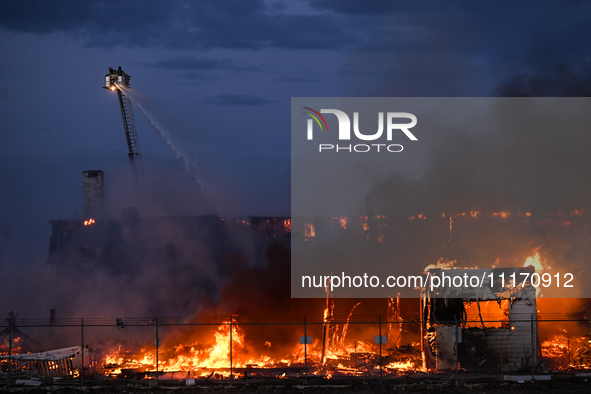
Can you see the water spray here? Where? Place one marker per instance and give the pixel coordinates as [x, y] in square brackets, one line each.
[165, 134]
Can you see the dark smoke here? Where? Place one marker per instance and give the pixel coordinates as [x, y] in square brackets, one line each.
[538, 168]
[562, 81]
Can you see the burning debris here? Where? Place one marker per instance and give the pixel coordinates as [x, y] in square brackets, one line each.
[231, 354]
[13, 340]
[54, 363]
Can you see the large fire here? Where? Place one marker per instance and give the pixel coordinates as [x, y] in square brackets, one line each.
[347, 348]
[230, 354]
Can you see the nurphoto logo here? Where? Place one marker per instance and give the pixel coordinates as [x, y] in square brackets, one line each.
[344, 131]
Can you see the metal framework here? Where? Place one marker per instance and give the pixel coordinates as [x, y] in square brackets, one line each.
[118, 80]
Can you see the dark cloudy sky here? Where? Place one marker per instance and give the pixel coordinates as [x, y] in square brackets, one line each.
[219, 75]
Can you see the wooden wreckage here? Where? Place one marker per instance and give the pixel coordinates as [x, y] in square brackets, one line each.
[63, 362]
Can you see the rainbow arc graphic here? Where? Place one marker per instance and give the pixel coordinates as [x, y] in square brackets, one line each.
[315, 116]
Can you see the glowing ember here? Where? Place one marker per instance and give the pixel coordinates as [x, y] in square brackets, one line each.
[400, 365]
[89, 222]
[502, 214]
[556, 347]
[343, 222]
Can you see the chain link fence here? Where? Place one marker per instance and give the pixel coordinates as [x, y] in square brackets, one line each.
[289, 347]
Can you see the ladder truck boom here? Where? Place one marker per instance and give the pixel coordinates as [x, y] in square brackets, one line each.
[117, 80]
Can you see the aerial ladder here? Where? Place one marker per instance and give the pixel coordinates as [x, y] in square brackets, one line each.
[117, 80]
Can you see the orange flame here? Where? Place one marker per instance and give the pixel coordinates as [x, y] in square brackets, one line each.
[442, 263]
[343, 221]
[536, 262]
[502, 214]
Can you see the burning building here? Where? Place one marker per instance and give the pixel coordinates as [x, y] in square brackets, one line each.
[454, 335]
[235, 328]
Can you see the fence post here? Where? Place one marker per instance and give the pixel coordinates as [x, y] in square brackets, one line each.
[355, 356]
[568, 348]
[532, 347]
[305, 353]
[380, 333]
[457, 351]
[157, 343]
[9, 353]
[231, 369]
[82, 350]
[502, 375]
